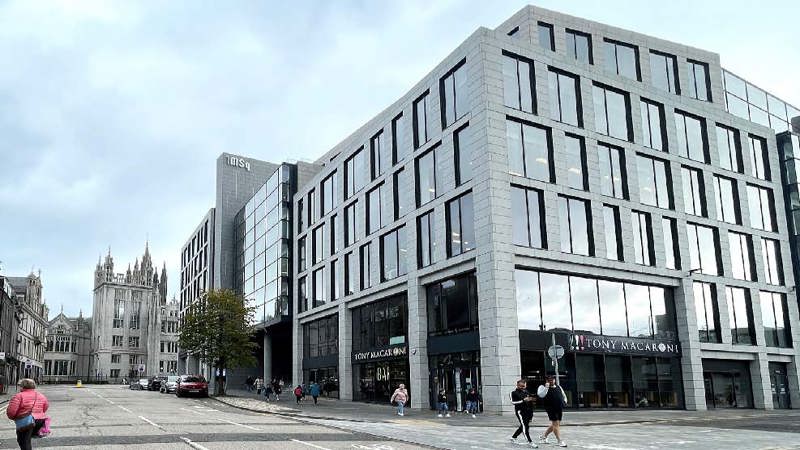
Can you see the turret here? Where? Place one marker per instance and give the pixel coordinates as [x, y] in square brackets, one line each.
[162, 287]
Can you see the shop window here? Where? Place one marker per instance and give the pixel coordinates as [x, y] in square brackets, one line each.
[453, 306]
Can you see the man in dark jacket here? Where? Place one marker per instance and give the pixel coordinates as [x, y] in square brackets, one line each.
[523, 409]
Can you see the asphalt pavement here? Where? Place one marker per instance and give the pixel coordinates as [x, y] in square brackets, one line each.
[114, 417]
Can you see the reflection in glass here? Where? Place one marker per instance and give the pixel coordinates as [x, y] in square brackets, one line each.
[612, 307]
[556, 313]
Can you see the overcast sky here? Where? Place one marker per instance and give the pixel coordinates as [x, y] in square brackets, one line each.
[112, 114]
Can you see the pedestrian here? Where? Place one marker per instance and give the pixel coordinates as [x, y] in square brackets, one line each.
[248, 384]
[267, 392]
[523, 409]
[28, 410]
[400, 397]
[554, 401]
[473, 402]
[259, 385]
[276, 389]
[314, 390]
[441, 402]
[298, 393]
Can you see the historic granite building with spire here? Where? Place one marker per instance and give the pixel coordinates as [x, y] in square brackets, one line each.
[126, 318]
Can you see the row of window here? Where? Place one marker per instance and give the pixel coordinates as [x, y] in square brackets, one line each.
[576, 236]
[622, 58]
[133, 341]
[325, 282]
[774, 316]
[612, 108]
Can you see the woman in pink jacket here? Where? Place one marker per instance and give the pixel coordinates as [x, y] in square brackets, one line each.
[29, 401]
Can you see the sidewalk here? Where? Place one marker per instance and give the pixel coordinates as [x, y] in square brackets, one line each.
[333, 409]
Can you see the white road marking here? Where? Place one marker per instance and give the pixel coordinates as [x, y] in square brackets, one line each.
[238, 424]
[151, 422]
[193, 444]
[124, 409]
[309, 444]
[192, 411]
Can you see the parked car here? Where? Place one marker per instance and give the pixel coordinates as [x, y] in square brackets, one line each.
[169, 384]
[192, 385]
[154, 384]
[139, 385]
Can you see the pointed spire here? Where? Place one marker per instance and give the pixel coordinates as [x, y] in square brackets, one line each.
[62, 308]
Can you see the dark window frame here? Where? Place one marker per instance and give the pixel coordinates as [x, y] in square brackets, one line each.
[574, 51]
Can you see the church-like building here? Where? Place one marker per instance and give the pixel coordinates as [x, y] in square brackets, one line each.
[127, 319]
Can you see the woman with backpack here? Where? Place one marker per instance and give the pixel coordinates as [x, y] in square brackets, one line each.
[554, 401]
[298, 393]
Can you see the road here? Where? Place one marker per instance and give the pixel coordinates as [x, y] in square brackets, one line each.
[114, 417]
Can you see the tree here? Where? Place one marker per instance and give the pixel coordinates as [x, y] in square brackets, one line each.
[217, 329]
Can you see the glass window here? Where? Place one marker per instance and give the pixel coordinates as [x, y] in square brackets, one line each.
[663, 310]
[530, 151]
[611, 227]
[734, 84]
[762, 212]
[400, 147]
[302, 296]
[350, 224]
[319, 287]
[463, 144]
[301, 254]
[576, 162]
[426, 177]
[621, 58]
[335, 275]
[426, 239]
[335, 226]
[612, 308]
[669, 228]
[694, 201]
[555, 294]
[350, 271]
[612, 170]
[585, 305]
[741, 246]
[703, 248]
[642, 238]
[653, 127]
[546, 39]
[453, 306]
[691, 137]
[380, 155]
[611, 112]
[565, 97]
[775, 318]
[374, 214]
[518, 82]
[453, 91]
[318, 247]
[727, 196]
[300, 214]
[759, 159]
[575, 222]
[312, 207]
[329, 187]
[654, 182]
[528, 227]
[421, 120]
[355, 172]
[460, 225]
[393, 254]
[771, 255]
[664, 72]
[699, 82]
[402, 195]
[529, 311]
[579, 46]
[637, 300]
[367, 276]
[740, 316]
[705, 302]
[730, 156]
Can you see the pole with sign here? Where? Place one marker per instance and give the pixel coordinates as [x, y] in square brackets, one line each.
[555, 352]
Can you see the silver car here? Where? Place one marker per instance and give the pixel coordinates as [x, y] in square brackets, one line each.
[169, 385]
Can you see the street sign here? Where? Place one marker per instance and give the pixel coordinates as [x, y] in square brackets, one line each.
[555, 351]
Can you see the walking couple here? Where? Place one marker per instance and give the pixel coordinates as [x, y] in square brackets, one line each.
[554, 400]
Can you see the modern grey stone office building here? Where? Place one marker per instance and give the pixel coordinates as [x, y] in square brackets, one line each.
[552, 179]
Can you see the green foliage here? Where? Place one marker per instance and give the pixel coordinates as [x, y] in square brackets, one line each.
[217, 330]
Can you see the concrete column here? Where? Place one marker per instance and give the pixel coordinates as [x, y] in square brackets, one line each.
[345, 348]
[691, 354]
[759, 377]
[297, 354]
[267, 357]
[792, 370]
[418, 347]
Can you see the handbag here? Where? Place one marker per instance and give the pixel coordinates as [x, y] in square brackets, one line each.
[26, 422]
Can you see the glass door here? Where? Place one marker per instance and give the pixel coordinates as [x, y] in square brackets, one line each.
[780, 385]
[709, 385]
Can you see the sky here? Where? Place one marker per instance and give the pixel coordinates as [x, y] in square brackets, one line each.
[112, 114]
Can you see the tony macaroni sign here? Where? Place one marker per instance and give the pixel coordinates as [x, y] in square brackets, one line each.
[592, 343]
[389, 352]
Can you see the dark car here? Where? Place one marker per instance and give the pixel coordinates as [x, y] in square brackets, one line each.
[192, 385]
[154, 384]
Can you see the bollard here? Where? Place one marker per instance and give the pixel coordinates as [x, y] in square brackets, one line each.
[79, 384]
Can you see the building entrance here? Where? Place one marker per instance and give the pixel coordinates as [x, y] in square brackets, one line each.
[780, 385]
[727, 384]
[376, 381]
[456, 374]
